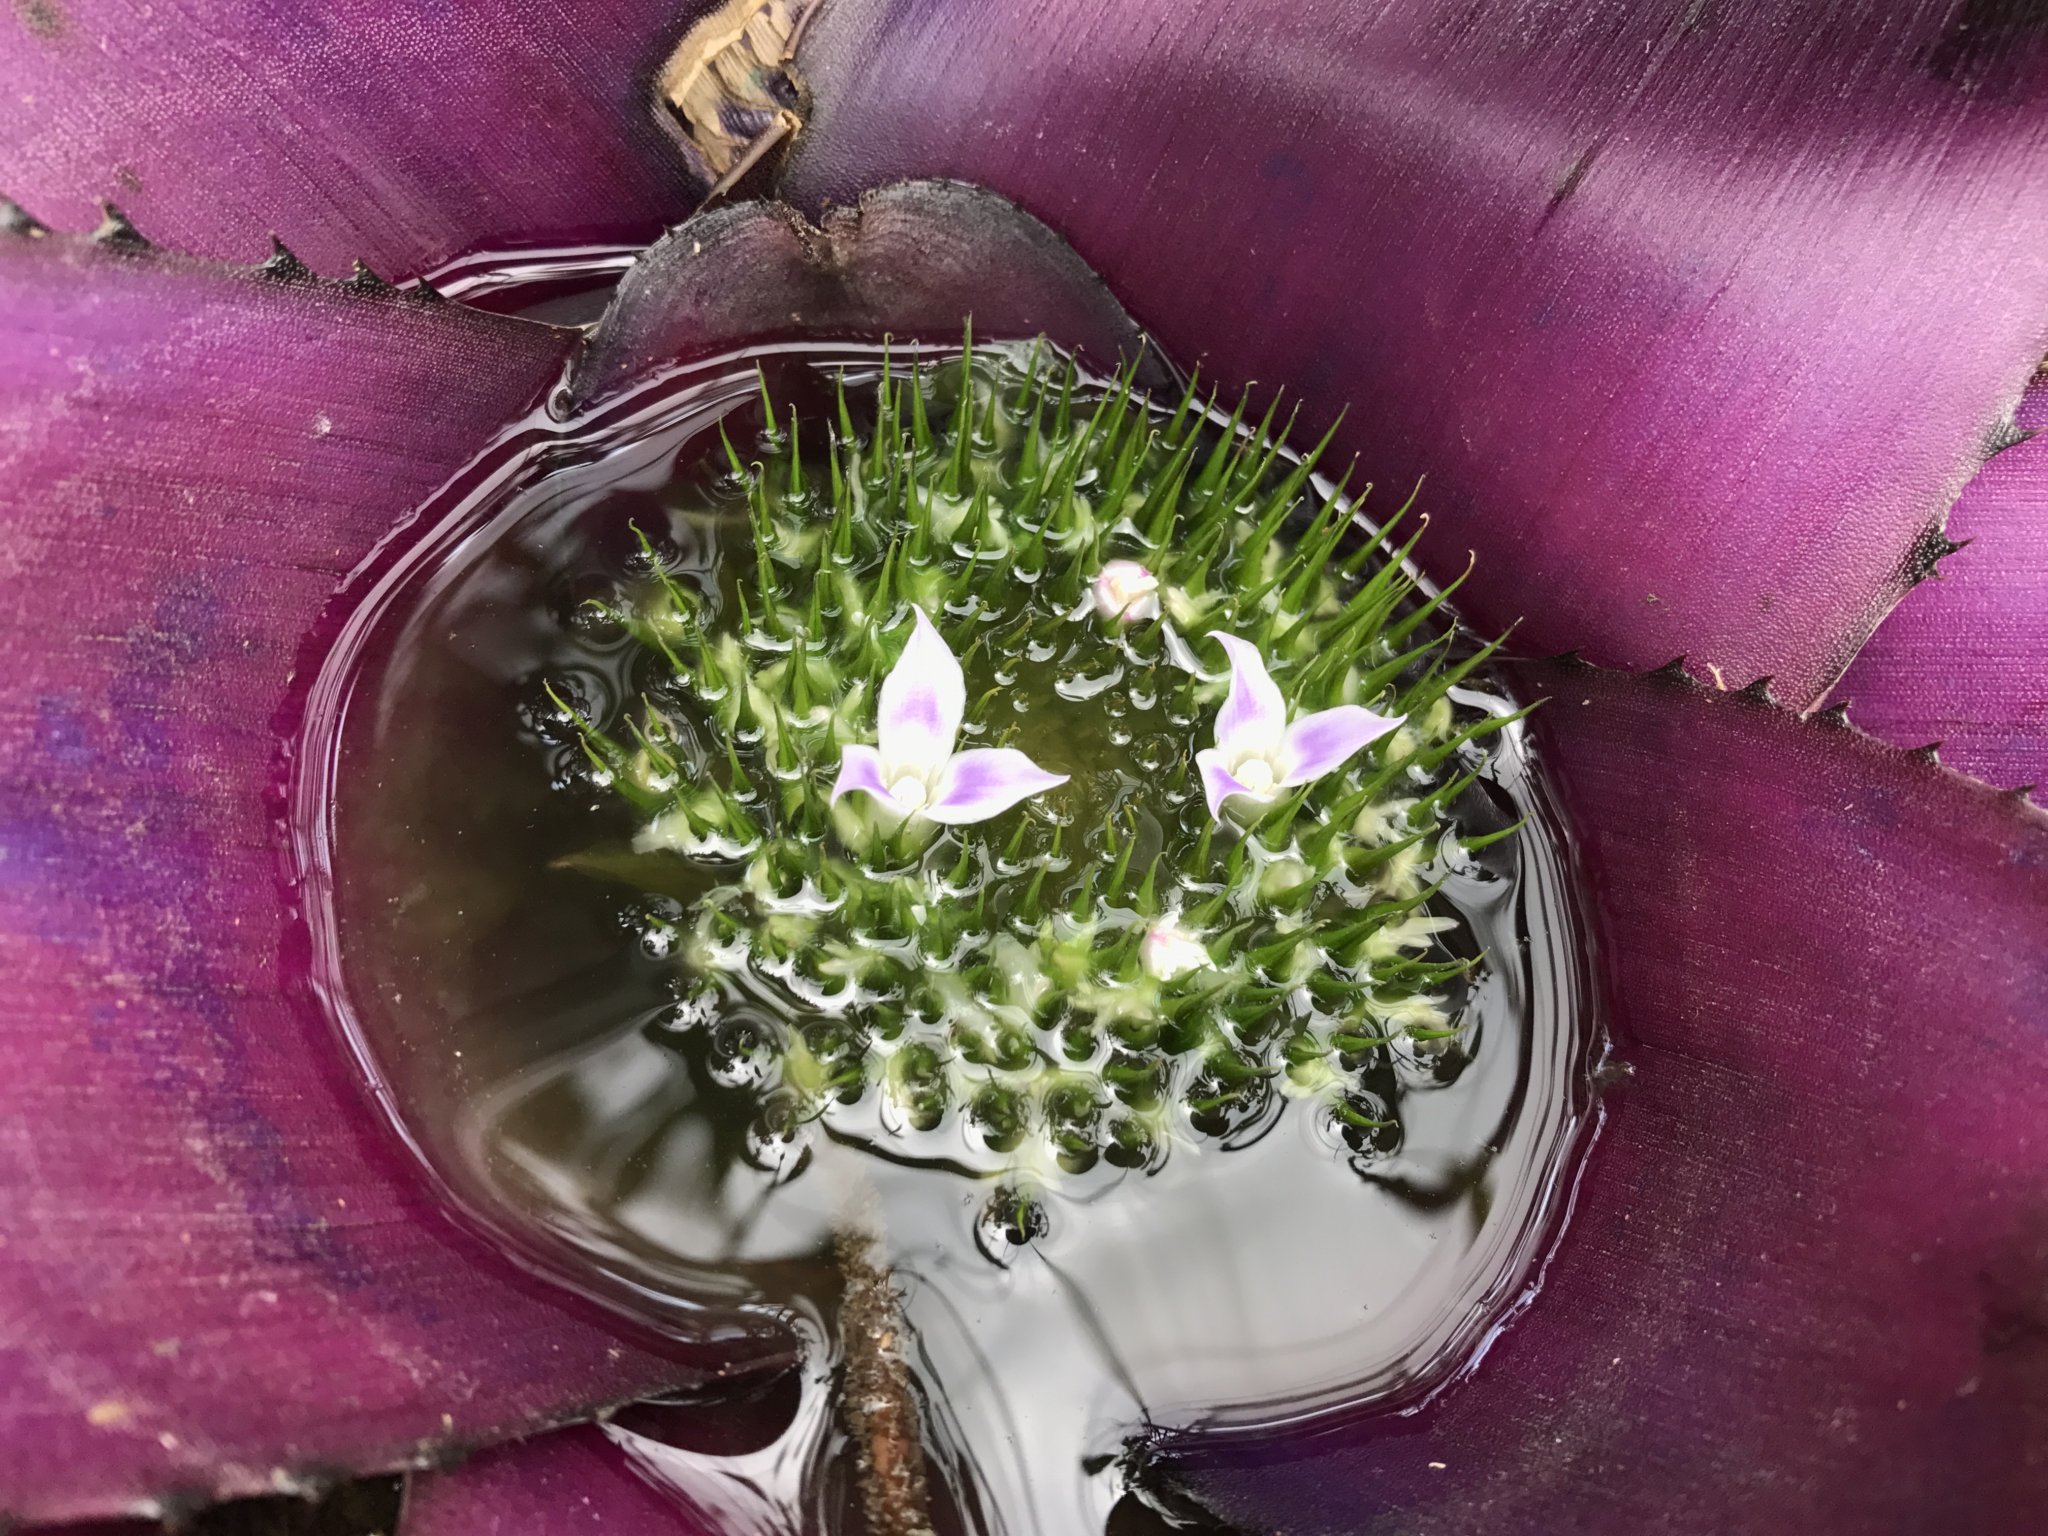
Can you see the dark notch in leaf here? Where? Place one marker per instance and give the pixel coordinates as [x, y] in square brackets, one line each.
[116, 232]
[282, 266]
[17, 220]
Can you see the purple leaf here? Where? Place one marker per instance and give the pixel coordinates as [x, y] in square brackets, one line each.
[985, 782]
[914, 261]
[1695, 317]
[1805, 1282]
[221, 1271]
[1964, 659]
[397, 135]
[572, 1483]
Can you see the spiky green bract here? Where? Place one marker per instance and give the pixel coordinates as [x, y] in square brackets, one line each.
[993, 978]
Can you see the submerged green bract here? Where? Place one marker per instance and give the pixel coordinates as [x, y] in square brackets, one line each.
[1106, 968]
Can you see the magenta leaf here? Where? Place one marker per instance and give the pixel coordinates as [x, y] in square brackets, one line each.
[572, 1483]
[1804, 1286]
[1964, 659]
[1696, 318]
[915, 261]
[396, 135]
[221, 1274]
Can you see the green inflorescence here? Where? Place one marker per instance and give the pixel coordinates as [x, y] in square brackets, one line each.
[982, 993]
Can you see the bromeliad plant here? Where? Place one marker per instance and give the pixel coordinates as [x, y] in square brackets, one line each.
[1698, 317]
[1156, 943]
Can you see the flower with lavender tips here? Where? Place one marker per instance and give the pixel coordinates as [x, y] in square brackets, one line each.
[1258, 753]
[1125, 591]
[913, 768]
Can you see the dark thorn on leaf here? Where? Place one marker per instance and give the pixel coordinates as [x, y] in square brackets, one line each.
[1835, 716]
[363, 280]
[1758, 692]
[282, 266]
[1673, 671]
[117, 232]
[17, 220]
[426, 292]
[1930, 549]
[1930, 754]
[2005, 433]
[1569, 659]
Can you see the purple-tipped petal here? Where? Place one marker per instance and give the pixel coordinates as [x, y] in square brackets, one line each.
[914, 261]
[1964, 659]
[1317, 743]
[1217, 783]
[860, 768]
[575, 1482]
[1804, 1285]
[217, 1269]
[1254, 715]
[1695, 318]
[399, 136]
[985, 782]
[923, 700]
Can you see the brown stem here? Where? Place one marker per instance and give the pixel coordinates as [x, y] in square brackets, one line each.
[878, 1400]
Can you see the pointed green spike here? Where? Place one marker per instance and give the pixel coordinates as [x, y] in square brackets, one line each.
[1360, 557]
[796, 492]
[920, 424]
[768, 419]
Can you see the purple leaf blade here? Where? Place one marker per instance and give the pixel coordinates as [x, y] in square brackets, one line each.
[571, 1483]
[1964, 659]
[1802, 1285]
[400, 138]
[914, 261]
[1694, 321]
[228, 1273]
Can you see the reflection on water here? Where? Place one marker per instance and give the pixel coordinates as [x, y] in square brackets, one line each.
[524, 1031]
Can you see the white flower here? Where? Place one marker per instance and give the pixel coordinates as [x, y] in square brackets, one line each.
[1126, 591]
[913, 768]
[1257, 753]
[1169, 950]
